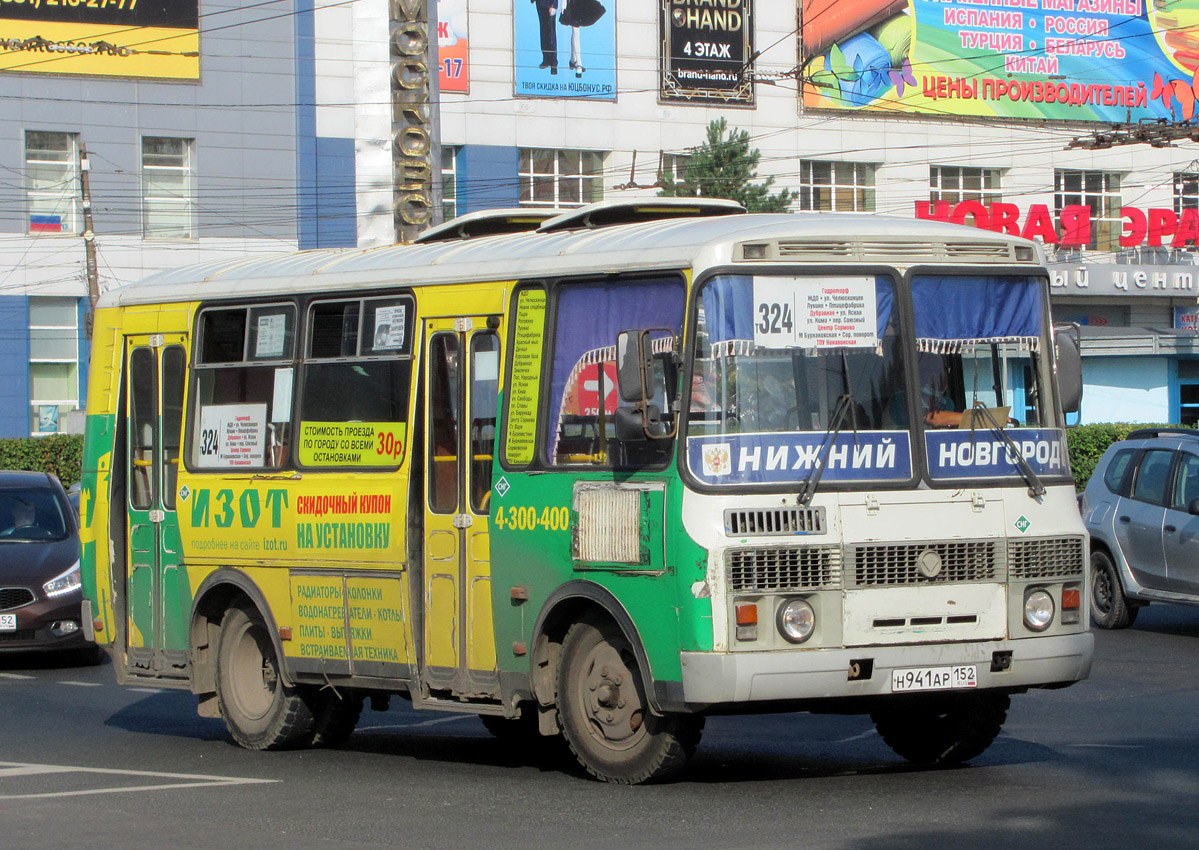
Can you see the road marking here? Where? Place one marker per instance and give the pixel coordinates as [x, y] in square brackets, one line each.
[146, 690]
[189, 780]
[1109, 746]
[869, 733]
[80, 684]
[14, 676]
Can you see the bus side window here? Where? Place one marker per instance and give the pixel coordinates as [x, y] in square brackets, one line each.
[443, 423]
[484, 396]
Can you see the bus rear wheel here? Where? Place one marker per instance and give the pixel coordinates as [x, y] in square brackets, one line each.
[260, 711]
[943, 730]
[605, 715]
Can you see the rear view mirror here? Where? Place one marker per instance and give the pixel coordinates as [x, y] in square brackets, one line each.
[1193, 507]
[634, 360]
[1067, 349]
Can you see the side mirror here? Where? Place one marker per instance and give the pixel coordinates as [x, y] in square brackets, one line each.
[634, 362]
[1193, 507]
[632, 427]
[1067, 350]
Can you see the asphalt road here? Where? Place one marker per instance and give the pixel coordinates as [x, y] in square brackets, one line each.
[1112, 762]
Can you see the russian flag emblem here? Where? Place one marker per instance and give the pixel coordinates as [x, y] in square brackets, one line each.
[45, 223]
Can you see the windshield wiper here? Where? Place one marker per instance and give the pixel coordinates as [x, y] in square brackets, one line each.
[845, 405]
[1035, 487]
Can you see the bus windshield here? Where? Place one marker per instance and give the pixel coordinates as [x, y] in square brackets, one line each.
[774, 356]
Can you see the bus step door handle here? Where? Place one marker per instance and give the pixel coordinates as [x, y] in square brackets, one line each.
[1170, 529]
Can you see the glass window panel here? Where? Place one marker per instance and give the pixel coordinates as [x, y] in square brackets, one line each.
[526, 160]
[142, 419]
[334, 329]
[569, 193]
[543, 189]
[1150, 485]
[543, 162]
[52, 344]
[174, 362]
[55, 312]
[568, 162]
[1114, 476]
[484, 393]
[53, 381]
[444, 409]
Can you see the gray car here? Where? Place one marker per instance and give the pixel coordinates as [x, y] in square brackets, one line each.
[1141, 508]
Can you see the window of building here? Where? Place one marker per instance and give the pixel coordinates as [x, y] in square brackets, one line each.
[836, 186]
[449, 182]
[52, 181]
[956, 184]
[53, 362]
[673, 166]
[1186, 191]
[168, 192]
[1099, 190]
[550, 178]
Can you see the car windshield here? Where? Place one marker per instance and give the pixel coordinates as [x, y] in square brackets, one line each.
[31, 513]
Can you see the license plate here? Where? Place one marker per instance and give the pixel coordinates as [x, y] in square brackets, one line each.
[8, 622]
[934, 678]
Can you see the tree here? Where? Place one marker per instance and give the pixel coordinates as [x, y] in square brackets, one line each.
[724, 166]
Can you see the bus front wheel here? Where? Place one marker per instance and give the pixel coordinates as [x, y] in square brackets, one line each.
[260, 711]
[605, 716]
[942, 730]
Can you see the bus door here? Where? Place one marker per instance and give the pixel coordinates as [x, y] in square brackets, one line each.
[157, 590]
[462, 368]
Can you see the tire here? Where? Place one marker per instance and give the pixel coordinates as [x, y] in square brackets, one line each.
[260, 712]
[337, 714]
[1109, 606]
[943, 730]
[605, 716]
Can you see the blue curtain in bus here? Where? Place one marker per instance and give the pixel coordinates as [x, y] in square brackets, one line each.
[729, 309]
[954, 308]
[590, 315]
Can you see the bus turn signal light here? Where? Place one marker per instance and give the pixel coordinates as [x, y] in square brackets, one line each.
[1071, 603]
[747, 620]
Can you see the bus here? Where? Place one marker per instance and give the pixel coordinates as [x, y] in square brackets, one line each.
[599, 474]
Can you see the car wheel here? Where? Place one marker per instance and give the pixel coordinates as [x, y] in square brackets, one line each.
[260, 711]
[605, 715]
[943, 730]
[1109, 607]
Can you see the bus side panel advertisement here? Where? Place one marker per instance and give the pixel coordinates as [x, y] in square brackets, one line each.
[1064, 60]
[788, 457]
[564, 48]
[981, 454]
[152, 39]
[705, 52]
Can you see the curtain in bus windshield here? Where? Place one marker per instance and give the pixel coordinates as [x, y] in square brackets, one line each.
[782, 361]
[583, 396]
[980, 370]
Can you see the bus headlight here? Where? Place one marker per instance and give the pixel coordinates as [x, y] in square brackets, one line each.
[1038, 609]
[796, 620]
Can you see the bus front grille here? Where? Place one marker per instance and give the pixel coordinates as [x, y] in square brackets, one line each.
[774, 568]
[1046, 557]
[908, 563]
[761, 522]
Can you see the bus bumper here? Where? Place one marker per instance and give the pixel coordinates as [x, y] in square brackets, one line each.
[728, 677]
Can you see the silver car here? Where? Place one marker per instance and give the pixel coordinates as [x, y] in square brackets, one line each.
[1141, 508]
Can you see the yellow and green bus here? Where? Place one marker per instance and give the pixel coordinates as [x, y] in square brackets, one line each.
[597, 474]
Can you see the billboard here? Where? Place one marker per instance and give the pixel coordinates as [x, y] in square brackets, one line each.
[705, 51]
[453, 46]
[565, 48]
[155, 39]
[1062, 60]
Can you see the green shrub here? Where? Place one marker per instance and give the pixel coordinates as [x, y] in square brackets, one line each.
[60, 454]
[1087, 443]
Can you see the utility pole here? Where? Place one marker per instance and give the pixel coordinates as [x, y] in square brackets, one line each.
[89, 238]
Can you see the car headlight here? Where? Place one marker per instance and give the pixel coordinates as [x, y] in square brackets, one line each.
[64, 583]
[796, 620]
[1038, 610]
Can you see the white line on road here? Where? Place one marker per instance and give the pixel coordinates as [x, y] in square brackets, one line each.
[416, 725]
[81, 684]
[13, 676]
[192, 780]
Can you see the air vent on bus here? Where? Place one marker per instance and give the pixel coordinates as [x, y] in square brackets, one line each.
[1049, 557]
[774, 568]
[741, 522]
[609, 213]
[809, 250]
[906, 563]
[487, 223]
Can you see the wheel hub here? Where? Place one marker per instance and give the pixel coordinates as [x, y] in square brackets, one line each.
[615, 713]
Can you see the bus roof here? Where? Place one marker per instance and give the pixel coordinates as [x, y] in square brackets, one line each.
[695, 243]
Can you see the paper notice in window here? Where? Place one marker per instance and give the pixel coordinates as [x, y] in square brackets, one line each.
[232, 436]
[835, 312]
[389, 328]
[272, 331]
